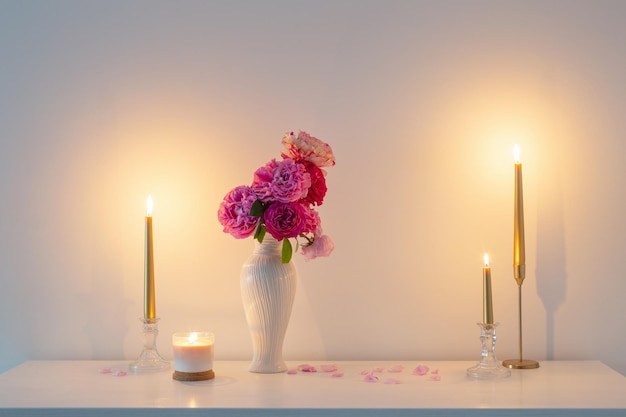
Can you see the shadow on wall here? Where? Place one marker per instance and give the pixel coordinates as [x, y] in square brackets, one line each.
[551, 273]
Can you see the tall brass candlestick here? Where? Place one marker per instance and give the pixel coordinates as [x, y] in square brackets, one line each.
[519, 246]
[149, 305]
[519, 259]
[487, 299]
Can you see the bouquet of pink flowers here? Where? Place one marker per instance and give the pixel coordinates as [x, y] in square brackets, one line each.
[282, 198]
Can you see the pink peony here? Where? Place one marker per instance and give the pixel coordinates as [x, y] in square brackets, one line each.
[305, 147]
[262, 180]
[283, 181]
[284, 220]
[322, 246]
[234, 212]
[313, 223]
[283, 197]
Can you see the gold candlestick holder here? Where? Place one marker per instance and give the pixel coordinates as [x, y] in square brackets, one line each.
[520, 362]
[519, 260]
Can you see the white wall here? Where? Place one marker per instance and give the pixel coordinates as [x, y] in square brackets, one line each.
[103, 102]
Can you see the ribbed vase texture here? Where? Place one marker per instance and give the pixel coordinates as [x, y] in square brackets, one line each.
[268, 288]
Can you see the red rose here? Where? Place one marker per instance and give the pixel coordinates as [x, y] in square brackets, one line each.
[318, 188]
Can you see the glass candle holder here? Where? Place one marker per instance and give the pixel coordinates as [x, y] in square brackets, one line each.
[488, 367]
[193, 356]
[149, 359]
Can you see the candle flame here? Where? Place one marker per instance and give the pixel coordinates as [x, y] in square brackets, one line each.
[516, 154]
[149, 204]
[193, 338]
[486, 259]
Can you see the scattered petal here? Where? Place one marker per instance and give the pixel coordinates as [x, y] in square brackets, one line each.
[119, 373]
[370, 378]
[420, 370]
[435, 371]
[379, 370]
[307, 368]
[365, 372]
[396, 369]
[292, 371]
[329, 368]
[337, 375]
[392, 381]
[106, 370]
[435, 378]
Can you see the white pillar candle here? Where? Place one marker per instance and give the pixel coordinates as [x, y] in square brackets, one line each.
[193, 351]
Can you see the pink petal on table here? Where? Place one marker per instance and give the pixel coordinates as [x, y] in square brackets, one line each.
[365, 372]
[305, 367]
[435, 371]
[435, 378]
[379, 370]
[329, 368]
[396, 369]
[292, 372]
[337, 375]
[119, 373]
[106, 370]
[420, 370]
[392, 381]
[370, 378]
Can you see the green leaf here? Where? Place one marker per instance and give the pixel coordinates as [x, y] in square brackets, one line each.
[287, 251]
[257, 209]
[259, 232]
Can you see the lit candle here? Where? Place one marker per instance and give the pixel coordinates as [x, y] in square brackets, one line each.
[149, 305]
[487, 303]
[519, 252]
[193, 352]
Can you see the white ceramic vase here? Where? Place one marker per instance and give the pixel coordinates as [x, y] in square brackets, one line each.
[268, 288]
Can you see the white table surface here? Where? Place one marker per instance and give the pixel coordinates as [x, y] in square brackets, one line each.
[71, 388]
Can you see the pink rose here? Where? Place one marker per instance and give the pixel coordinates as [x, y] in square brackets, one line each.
[283, 181]
[322, 246]
[284, 220]
[305, 147]
[234, 212]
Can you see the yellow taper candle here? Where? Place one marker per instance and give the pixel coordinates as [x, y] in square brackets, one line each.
[149, 305]
[487, 299]
[519, 252]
